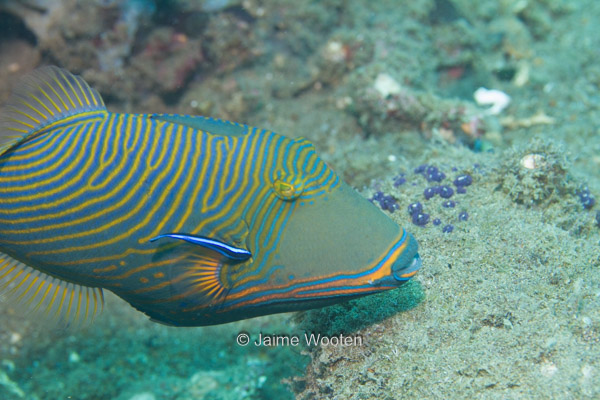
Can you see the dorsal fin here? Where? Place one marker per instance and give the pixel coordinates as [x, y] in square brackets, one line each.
[212, 125]
[40, 98]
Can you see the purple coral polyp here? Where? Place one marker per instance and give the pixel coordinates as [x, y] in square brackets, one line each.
[463, 216]
[415, 208]
[386, 202]
[437, 221]
[448, 204]
[420, 169]
[399, 180]
[433, 174]
[463, 180]
[430, 192]
[448, 228]
[445, 191]
[420, 219]
[586, 198]
[377, 196]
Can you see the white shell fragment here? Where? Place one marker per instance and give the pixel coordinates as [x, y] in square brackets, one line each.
[496, 98]
[386, 85]
[334, 52]
[533, 161]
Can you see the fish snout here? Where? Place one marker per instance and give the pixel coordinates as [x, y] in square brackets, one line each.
[404, 271]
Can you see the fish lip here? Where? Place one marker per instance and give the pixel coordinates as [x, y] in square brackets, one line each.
[402, 272]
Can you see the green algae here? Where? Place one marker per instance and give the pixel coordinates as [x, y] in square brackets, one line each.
[355, 315]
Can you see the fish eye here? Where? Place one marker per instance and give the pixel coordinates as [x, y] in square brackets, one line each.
[287, 190]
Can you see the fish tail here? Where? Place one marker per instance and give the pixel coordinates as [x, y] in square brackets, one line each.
[41, 99]
[46, 95]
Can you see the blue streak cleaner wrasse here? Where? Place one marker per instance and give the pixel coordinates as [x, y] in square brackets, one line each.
[192, 220]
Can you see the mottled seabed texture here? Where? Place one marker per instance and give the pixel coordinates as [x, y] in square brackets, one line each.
[507, 302]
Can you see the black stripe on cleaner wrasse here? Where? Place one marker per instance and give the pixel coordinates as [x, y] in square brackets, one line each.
[191, 220]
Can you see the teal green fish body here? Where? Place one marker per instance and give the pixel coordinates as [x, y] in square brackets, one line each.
[192, 220]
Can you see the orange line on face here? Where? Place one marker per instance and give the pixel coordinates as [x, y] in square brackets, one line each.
[315, 295]
[409, 275]
[383, 271]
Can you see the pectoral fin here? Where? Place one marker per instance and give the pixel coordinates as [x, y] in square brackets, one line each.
[232, 253]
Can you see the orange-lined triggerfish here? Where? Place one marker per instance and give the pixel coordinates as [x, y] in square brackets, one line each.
[192, 220]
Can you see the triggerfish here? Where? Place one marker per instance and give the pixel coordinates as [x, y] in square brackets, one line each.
[192, 220]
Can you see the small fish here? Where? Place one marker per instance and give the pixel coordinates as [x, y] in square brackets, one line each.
[192, 220]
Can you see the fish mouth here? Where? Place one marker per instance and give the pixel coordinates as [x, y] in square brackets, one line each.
[403, 272]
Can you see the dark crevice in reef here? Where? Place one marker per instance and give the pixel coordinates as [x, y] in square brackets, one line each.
[12, 27]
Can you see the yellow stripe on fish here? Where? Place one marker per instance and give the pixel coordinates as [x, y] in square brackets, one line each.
[192, 220]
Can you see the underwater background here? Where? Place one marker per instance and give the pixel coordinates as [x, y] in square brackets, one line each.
[507, 302]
